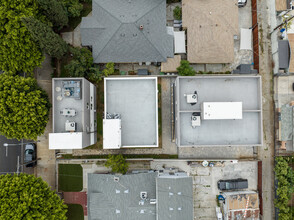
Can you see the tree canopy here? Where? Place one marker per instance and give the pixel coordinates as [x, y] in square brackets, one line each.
[18, 52]
[46, 38]
[285, 177]
[27, 197]
[24, 107]
[81, 62]
[117, 163]
[185, 69]
[55, 12]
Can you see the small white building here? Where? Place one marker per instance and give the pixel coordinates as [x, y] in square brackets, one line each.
[73, 114]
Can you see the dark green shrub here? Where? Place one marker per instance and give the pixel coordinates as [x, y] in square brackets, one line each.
[178, 13]
[185, 69]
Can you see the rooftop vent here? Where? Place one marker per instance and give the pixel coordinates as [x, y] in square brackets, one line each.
[143, 195]
[141, 27]
[116, 179]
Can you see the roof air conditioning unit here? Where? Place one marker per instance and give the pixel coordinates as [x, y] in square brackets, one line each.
[70, 126]
[196, 119]
[143, 195]
[192, 98]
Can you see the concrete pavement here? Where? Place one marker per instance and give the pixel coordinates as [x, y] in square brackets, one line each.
[46, 164]
[266, 152]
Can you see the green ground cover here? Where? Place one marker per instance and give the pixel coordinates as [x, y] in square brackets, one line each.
[70, 177]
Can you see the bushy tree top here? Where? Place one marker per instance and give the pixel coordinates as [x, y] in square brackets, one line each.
[55, 12]
[45, 37]
[24, 107]
[27, 197]
[185, 69]
[117, 163]
[18, 52]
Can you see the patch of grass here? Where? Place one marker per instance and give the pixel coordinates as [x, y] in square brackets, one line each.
[70, 177]
[75, 212]
[128, 156]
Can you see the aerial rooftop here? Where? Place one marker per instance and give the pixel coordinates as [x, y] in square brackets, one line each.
[135, 101]
[120, 197]
[211, 26]
[74, 117]
[125, 31]
[235, 115]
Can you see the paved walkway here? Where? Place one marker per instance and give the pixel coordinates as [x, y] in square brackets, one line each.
[266, 152]
[46, 164]
[76, 198]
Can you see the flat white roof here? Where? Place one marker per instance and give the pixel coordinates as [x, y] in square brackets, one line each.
[64, 141]
[135, 99]
[111, 133]
[180, 43]
[221, 110]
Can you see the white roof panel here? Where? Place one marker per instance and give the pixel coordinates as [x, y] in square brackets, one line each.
[245, 42]
[62, 141]
[180, 42]
[221, 110]
[111, 133]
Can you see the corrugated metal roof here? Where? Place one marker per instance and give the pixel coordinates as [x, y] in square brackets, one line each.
[115, 35]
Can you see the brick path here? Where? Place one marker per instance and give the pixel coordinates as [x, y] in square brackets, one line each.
[76, 198]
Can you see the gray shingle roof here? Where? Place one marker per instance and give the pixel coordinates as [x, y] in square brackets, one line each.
[114, 31]
[174, 198]
[110, 200]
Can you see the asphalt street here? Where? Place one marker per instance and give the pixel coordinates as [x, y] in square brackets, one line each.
[9, 155]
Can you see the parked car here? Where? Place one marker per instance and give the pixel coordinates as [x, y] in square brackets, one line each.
[232, 184]
[30, 155]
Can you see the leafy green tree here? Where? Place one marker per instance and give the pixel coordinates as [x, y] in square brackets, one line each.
[81, 62]
[73, 7]
[27, 197]
[47, 39]
[285, 177]
[54, 11]
[185, 69]
[109, 70]
[18, 51]
[178, 13]
[24, 107]
[117, 163]
[94, 75]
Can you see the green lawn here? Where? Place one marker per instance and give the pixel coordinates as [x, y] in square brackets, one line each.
[75, 212]
[70, 177]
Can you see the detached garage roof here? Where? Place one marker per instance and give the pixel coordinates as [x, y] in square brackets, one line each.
[211, 26]
[123, 31]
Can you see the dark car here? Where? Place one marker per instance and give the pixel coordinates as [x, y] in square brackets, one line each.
[30, 155]
[232, 184]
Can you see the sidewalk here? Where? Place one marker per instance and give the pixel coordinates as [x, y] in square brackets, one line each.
[46, 164]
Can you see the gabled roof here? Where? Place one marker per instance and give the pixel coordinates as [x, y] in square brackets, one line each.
[114, 31]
